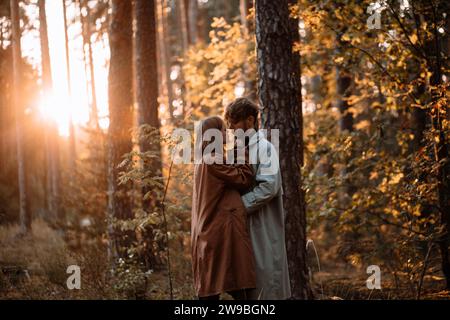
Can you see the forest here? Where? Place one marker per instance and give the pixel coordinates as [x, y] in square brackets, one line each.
[92, 92]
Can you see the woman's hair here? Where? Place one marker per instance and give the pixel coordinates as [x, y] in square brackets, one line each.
[214, 122]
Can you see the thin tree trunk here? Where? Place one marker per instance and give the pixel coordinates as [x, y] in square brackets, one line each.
[22, 161]
[193, 21]
[244, 9]
[1, 35]
[167, 53]
[182, 22]
[280, 97]
[343, 89]
[72, 145]
[45, 52]
[181, 5]
[89, 62]
[120, 122]
[91, 65]
[247, 28]
[344, 82]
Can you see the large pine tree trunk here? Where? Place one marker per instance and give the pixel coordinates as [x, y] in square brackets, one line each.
[441, 144]
[22, 161]
[120, 121]
[280, 97]
[147, 101]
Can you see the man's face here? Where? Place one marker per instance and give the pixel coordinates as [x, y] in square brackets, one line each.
[246, 124]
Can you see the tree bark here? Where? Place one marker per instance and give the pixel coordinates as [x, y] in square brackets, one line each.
[244, 9]
[22, 161]
[441, 146]
[147, 101]
[53, 163]
[72, 144]
[193, 21]
[120, 122]
[89, 61]
[181, 5]
[344, 82]
[280, 97]
[248, 29]
[166, 59]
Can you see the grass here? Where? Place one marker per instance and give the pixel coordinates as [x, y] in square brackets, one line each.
[34, 267]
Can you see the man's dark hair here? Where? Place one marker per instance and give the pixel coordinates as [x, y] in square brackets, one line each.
[240, 109]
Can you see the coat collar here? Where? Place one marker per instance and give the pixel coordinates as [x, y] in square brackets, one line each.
[256, 137]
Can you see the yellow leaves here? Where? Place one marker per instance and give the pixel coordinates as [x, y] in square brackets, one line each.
[355, 260]
[437, 139]
[395, 179]
[383, 186]
[338, 60]
[364, 124]
[392, 211]
[345, 37]
[414, 38]
[219, 22]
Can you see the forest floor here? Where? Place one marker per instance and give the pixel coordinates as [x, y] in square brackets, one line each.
[34, 267]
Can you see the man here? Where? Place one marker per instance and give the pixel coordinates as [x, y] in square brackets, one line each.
[264, 205]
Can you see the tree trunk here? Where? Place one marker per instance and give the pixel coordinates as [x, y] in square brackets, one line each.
[147, 101]
[72, 144]
[120, 122]
[193, 21]
[244, 9]
[22, 160]
[344, 82]
[441, 146]
[89, 61]
[45, 52]
[88, 35]
[280, 97]
[166, 59]
[181, 5]
[248, 29]
[53, 165]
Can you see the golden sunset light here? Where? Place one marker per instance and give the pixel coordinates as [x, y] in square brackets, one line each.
[58, 105]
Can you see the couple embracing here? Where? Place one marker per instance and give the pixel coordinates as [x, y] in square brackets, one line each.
[237, 232]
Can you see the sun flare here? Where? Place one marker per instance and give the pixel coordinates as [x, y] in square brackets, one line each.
[58, 105]
[61, 109]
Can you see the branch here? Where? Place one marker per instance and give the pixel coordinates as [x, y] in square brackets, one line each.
[406, 33]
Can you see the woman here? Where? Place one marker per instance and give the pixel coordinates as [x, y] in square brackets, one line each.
[222, 256]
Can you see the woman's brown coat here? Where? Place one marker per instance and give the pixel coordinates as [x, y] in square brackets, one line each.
[222, 256]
